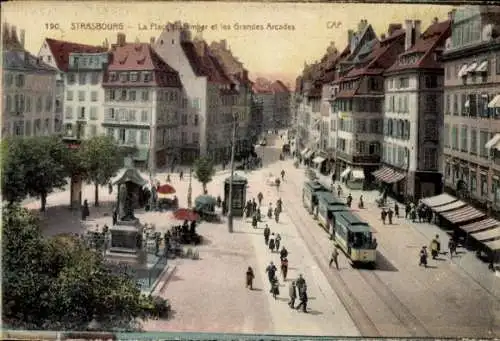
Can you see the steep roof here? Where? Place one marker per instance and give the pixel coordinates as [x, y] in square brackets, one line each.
[434, 37]
[193, 58]
[209, 63]
[24, 61]
[279, 87]
[61, 49]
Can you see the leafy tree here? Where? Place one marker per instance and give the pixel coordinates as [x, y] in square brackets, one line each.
[60, 283]
[204, 170]
[34, 166]
[101, 159]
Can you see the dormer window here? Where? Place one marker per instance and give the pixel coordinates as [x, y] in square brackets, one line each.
[113, 76]
[133, 77]
[147, 76]
[124, 76]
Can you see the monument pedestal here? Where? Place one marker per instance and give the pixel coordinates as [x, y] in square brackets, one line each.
[124, 238]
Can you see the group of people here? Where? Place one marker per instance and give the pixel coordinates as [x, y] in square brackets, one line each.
[253, 210]
[435, 247]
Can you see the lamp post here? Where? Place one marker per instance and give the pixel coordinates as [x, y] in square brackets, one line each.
[190, 189]
[230, 201]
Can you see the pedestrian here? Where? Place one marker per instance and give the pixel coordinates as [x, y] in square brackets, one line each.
[361, 203]
[260, 196]
[339, 191]
[301, 283]
[452, 246]
[271, 272]
[277, 182]
[303, 301]
[282, 174]
[284, 268]
[254, 221]
[396, 209]
[110, 188]
[279, 205]
[168, 178]
[254, 205]
[276, 215]
[283, 253]
[423, 256]
[85, 209]
[292, 292]
[335, 258]
[435, 247]
[407, 210]
[181, 175]
[115, 216]
[277, 242]
[383, 214]
[250, 276]
[275, 287]
[267, 233]
[271, 243]
[390, 213]
[349, 200]
[219, 201]
[270, 211]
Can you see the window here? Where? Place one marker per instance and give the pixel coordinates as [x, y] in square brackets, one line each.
[183, 137]
[123, 95]
[81, 96]
[133, 77]
[446, 132]
[110, 95]
[196, 120]
[82, 78]
[473, 141]
[95, 77]
[145, 95]
[110, 132]
[447, 106]
[123, 76]
[361, 126]
[184, 120]
[93, 130]
[48, 103]
[81, 113]
[112, 115]
[196, 138]
[454, 137]
[122, 135]
[196, 103]
[482, 105]
[93, 113]
[403, 83]
[361, 147]
[431, 103]
[473, 105]
[144, 116]
[483, 139]
[455, 104]
[69, 95]
[431, 81]
[464, 139]
[147, 77]
[144, 137]
[93, 96]
[132, 115]
[46, 126]
[484, 185]
[28, 104]
[39, 104]
[9, 79]
[113, 76]
[131, 95]
[71, 78]
[20, 81]
[68, 113]
[132, 136]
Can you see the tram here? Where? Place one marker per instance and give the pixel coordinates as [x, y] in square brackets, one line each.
[354, 237]
[327, 205]
[309, 195]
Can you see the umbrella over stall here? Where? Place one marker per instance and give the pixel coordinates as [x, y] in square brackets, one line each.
[165, 189]
[186, 214]
[205, 200]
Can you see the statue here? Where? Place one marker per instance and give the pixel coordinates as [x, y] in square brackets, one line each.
[125, 205]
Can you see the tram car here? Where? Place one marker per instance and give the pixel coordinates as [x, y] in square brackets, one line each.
[327, 205]
[309, 195]
[354, 237]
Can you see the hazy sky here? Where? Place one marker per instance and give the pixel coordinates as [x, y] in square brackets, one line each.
[307, 28]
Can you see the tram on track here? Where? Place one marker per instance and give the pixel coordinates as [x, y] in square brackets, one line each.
[354, 237]
[327, 205]
[310, 195]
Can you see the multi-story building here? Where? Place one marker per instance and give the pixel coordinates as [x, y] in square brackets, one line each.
[358, 103]
[144, 103]
[84, 97]
[29, 88]
[56, 54]
[281, 114]
[471, 164]
[413, 113]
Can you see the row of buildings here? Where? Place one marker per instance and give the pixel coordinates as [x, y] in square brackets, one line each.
[170, 100]
[415, 108]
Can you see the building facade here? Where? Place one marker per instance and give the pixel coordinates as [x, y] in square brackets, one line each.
[29, 88]
[84, 95]
[411, 149]
[144, 104]
[471, 165]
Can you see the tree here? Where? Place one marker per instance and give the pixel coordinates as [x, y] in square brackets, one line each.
[59, 283]
[204, 170]
[34, 166]
[101, 159]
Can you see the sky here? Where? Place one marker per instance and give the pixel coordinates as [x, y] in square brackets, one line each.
[273, 40]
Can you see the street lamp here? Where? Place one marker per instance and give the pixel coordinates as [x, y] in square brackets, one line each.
[230, 200]
[190, 189]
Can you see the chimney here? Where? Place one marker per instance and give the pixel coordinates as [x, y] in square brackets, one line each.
[120, 39]
[408, 34]
[362, 24]
[5, 33]
[152, 40]
[350, 35]
[416, 30]
[223, 44]
[13, 34]
[393, 28]
[22, 33]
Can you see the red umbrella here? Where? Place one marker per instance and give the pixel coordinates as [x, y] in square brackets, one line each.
[185, 214]
[166, 189]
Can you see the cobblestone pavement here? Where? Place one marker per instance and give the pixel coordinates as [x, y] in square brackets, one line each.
[400, 298]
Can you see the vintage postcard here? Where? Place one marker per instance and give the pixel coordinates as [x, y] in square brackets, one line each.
[250, 170]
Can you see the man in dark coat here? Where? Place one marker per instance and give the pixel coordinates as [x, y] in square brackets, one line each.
[303, 301]
[267, 233]
[292, 292]
[271, 272]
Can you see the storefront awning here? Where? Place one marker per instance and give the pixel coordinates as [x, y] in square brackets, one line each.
[493, 142]
[358, 174]
[495, 102]
[493, 245]
[463, 71]
[345, 172]
[318, 159]
[472, 67]
[388, 175]
[483, 67]
[449, 207]
[488, 234]
[464, 214]
[480, 225]
[304, 151]
[308, 154]
[438, 200]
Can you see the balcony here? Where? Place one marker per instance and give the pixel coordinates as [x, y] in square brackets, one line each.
[81, 118]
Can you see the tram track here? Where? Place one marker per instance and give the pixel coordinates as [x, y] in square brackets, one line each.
[404, 319]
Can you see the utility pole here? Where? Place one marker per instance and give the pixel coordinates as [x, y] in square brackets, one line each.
[230, 201]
